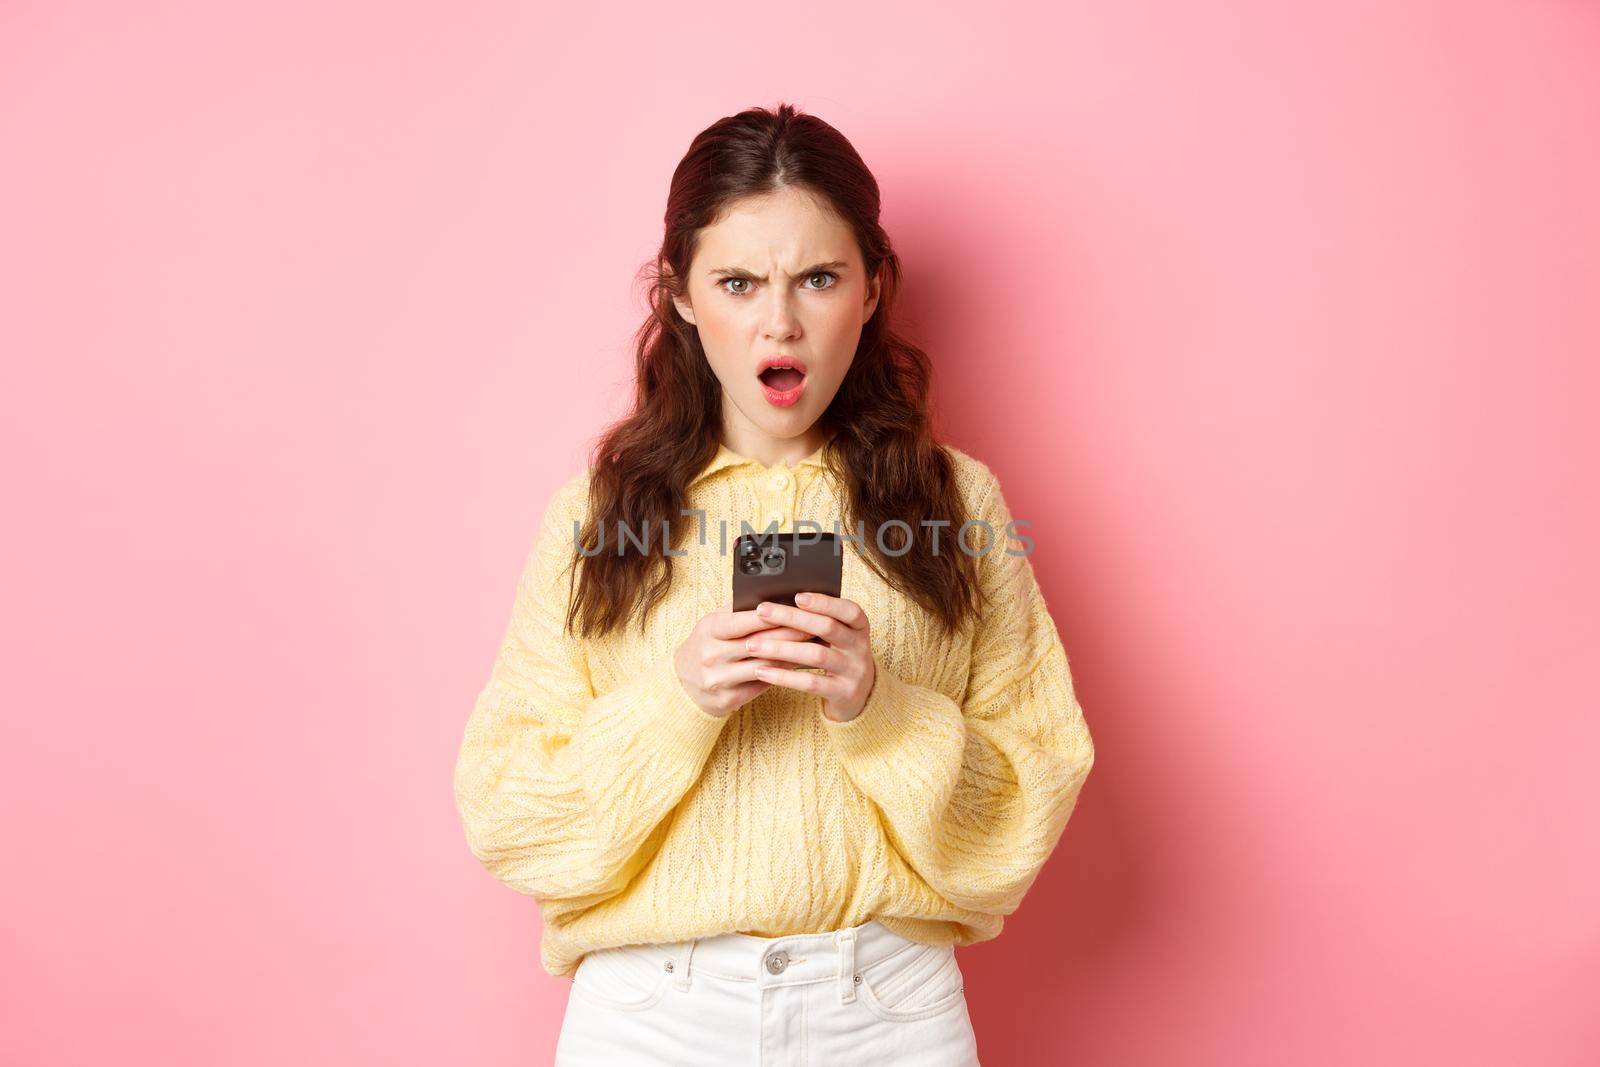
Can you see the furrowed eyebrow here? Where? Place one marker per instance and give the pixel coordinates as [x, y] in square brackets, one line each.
[739, 272]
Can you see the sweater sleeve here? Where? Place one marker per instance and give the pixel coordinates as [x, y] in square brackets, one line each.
[564, 792]
[974, 794]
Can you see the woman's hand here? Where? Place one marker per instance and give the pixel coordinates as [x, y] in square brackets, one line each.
[713, 664]
[846, 659]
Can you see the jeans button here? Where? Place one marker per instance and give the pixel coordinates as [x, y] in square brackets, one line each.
[777, 962]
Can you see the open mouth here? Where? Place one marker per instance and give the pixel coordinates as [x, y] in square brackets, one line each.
[782, 379]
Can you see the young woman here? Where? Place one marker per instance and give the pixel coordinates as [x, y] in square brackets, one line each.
[748, 846]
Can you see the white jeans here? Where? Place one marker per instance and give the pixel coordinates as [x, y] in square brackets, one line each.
[860, 995]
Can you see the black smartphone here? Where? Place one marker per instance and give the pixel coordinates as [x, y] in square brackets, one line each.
[776, 566]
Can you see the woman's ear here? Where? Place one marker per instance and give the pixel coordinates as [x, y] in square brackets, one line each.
[873, 289]
[685, 308]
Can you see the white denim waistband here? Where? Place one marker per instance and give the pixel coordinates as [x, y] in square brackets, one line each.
[792, 959]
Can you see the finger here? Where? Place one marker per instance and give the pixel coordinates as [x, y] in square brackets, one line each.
[734, 648]
[829, 686]
[805, 653]
[845, 610]
[731, 625]
[737, 648]
[736, 653]
[740, 672]
[823, 626]
[782, 633]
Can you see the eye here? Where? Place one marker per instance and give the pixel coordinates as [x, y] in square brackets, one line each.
[833, 279]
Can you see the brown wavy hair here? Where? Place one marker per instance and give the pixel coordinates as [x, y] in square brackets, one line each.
[881, 443]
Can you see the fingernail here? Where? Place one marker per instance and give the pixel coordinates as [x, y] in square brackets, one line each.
[750, 646]
[803, 598]
[764, 610]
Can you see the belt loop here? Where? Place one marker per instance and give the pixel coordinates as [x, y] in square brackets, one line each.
[846, 941]
[681, 979]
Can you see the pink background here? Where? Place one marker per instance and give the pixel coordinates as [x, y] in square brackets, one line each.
[1278, 321]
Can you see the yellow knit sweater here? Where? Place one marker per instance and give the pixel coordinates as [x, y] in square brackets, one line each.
[588, 779]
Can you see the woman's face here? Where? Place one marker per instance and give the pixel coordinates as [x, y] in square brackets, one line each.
[778, 275]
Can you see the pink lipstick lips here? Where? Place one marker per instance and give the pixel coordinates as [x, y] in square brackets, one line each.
[783, 379]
